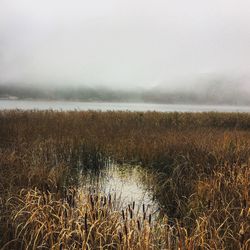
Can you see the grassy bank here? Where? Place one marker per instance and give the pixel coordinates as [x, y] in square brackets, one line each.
[200, 164]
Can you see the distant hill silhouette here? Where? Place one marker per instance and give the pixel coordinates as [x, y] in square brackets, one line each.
[210, 92]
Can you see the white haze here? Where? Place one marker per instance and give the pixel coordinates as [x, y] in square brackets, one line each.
[124, 43]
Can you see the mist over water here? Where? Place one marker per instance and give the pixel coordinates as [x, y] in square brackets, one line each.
[150, 51]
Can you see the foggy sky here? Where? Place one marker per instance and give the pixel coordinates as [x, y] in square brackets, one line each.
[123, 43]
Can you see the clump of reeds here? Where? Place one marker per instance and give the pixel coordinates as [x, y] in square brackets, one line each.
[83, 221]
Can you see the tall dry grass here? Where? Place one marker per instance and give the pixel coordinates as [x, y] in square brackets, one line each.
[200, 165]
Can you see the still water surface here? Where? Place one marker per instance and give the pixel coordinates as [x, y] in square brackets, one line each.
[125, 183]
[104, 106]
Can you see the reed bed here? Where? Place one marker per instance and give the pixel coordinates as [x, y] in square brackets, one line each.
[200, 171]
[80, 221]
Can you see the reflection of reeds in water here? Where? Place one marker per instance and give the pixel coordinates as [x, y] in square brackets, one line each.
[127, 182]
[199, 173]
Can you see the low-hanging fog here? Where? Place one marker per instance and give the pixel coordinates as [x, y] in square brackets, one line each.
[135, 50]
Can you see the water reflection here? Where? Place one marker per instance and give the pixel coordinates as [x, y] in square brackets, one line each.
[126, 183]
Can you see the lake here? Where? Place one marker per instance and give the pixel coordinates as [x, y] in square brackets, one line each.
[104, 106]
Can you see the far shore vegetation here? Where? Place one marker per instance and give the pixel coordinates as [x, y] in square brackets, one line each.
[207, 94]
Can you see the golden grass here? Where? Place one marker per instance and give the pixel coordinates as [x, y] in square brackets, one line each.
[79, 221]
[199, 164]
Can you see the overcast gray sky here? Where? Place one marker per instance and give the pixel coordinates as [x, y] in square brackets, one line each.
[128, 43]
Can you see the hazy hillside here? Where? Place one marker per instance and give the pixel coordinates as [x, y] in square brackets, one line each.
[68, 93]
[204, 91]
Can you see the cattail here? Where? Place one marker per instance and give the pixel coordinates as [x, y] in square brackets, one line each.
[65, 213]
[126, 229]
[131, 214]
[86, 222]
[133, 206]
[209, 204]
[71, 200]
[149, 218]
[105, 201]
[92, 202]
[144, 216]
[143, 208]
[96, 198]
[109, 196]
[123, 215]
[139, 225]
[120, 237]
[244, 203]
